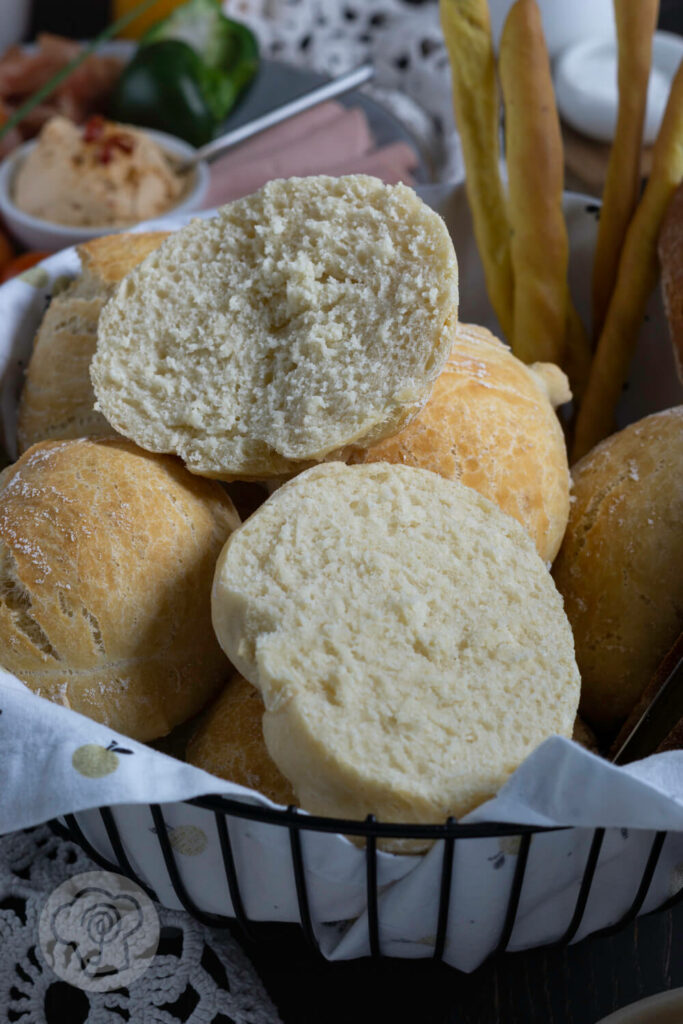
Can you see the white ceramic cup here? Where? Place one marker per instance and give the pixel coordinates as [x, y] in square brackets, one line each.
[564, 21]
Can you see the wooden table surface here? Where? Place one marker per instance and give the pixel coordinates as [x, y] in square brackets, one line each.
[578, 985]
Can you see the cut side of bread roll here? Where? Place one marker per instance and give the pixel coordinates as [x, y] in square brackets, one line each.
[315, 313]
[490, 423]
[107, 555]
[57, 400]
[408, 642]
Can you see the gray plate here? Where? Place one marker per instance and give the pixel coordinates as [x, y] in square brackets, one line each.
[277, 83]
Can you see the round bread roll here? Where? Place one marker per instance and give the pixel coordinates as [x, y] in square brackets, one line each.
[229, 743]
[490, 423]
[106, 560]
[312, 314]
[57, 400]
[619, 568]
[408, 642]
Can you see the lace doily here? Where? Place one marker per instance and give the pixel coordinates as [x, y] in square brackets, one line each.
[198, 976]
[403, 40]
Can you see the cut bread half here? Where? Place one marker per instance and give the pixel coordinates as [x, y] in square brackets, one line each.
[408, 641]
[315, 313]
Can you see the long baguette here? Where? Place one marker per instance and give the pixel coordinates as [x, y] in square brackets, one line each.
[533, 142]
[636, 278]
[636, 21]
[467, 32]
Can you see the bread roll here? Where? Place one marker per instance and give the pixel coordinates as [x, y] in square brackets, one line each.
[490, 424]
[312, 314]
[106, 560]
[229, 743]
[619, 568]
[57, 400]
[407, 640]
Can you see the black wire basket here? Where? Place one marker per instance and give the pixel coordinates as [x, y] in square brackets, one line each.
[226, 812]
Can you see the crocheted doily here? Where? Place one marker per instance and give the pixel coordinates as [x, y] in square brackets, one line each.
[402, 39]
[198, 976]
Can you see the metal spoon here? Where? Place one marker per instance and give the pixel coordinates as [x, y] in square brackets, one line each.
[337, 86]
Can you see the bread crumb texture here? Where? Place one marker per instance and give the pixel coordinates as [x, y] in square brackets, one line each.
[620, 565]
[312, 314]
[106, 560]
[490, 423]
[408, 642]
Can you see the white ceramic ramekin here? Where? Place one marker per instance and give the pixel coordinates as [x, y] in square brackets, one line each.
[47, 236]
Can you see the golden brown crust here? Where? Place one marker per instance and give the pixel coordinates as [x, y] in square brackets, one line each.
[110, 258]
[671, 262]
[490, 424]
[57, 400]
[107, 555]
[619, 568]
[229, 743]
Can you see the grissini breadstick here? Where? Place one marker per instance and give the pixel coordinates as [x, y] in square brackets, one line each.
[636, 278]
[467, 32]
[636, 21]
[540, 249]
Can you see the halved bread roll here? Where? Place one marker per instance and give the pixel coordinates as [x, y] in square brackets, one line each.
[315, 313]
[408, 642]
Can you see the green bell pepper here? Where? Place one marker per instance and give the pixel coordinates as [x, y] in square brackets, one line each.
[187, 73]
[167, 86]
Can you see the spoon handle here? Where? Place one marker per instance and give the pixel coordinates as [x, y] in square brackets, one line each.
[335, 87]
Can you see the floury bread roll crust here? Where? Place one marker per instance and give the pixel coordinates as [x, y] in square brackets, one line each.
[229, 743]
[620, 565]
[106, 559]
[57, 400]
[313, 314]
[490, 423]
[408, 642]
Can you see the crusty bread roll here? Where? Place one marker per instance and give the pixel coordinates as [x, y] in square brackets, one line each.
[408, 642]
[490, 423]
[57, 400]
[619, 567]
[229, 743]
[312, 314]
[106, 560]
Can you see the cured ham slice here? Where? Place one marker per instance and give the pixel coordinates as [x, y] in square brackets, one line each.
[344, 144]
